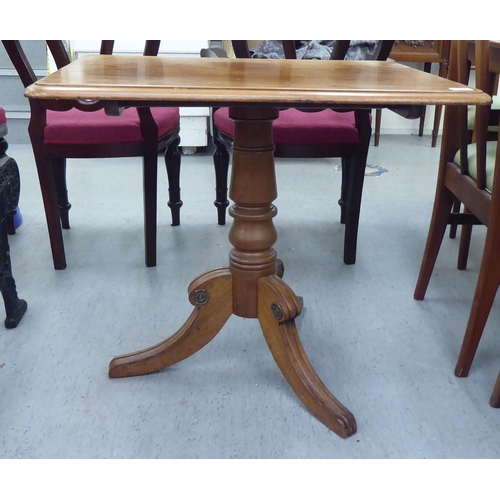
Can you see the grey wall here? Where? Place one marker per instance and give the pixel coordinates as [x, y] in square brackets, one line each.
[12, 90]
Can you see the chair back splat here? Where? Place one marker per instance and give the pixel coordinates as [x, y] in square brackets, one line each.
[76, 130]
[299, 133]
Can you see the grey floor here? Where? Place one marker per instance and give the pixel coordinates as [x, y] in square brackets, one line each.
[387, 357]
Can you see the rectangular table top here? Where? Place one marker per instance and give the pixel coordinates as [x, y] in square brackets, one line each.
[217, 82]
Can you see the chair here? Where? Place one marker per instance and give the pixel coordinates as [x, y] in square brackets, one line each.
[428, 52]
[312, 134]
[83, 130]
[468, 172]
[492, 132]
[9, 197]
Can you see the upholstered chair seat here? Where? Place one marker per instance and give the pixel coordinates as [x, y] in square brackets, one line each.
[297, 127]
[491, 151]
[83, 127]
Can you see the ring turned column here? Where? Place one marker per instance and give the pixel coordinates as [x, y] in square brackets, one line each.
[252, 189]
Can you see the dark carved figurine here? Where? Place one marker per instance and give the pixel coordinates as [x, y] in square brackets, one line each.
[9, 198]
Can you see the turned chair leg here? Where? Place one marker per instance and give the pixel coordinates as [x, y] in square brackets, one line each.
[59, 166]
[221, 166]
[344, 187]
[173, 165]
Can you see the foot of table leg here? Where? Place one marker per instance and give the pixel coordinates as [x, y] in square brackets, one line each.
[211, 294]
[277, 308]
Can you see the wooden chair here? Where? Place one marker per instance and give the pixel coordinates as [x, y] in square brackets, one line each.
[470, 173]
[83, 130]
[9, 198]
[428, 52]
[318, 134]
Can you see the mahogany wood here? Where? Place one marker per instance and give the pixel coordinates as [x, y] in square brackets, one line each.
[353, 156]
[455, 183]
[254, 90]
[495, 396]
[431, 51]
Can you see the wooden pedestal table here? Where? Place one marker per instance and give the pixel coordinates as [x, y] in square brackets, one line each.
[254, 90]
[250, 288]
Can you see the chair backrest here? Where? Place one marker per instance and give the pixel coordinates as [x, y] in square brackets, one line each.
[463, 56]
[61, 57]
[339, 52]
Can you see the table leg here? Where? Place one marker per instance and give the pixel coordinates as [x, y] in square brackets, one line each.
[250, 288]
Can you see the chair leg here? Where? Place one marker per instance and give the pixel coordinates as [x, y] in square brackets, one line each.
[495, 396]
[453, 227]
[378, 122]
[221, 166]
[439, 220]
[435, 128]
[150, 190]
[427, 69]
[443, 73]
[465, 237]
[173, 164]
[344, 187]
[356, 179]
[486, 289]
[422, 122]
[59, 166]
[46, 177]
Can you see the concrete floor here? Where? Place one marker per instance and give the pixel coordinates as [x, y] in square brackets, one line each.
[385, 356]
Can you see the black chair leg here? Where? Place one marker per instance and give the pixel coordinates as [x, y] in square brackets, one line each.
[356, 180]
[173, 164]
[344, 187]
[9, 196]
[59, 167]
[221, 166]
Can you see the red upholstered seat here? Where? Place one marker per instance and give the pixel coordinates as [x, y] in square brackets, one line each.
[83, 127]
[3, 117]
[298, 127]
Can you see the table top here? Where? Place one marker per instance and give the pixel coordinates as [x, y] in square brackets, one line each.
[216, 82]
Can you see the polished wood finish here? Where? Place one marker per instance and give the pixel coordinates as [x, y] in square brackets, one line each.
[495, 396]
[254, 90]
[252, 82]
[51, 158]
[428, 52]
[353, 155]
[483, 206]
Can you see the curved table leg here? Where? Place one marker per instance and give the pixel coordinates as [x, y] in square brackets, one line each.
[251, 287]
[277, 308]
[211, 294]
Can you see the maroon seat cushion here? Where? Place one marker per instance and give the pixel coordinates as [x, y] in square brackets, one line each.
[298, 127]
[3, 123]
[94, 127]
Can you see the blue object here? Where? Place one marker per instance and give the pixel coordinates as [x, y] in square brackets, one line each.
[18, 218]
